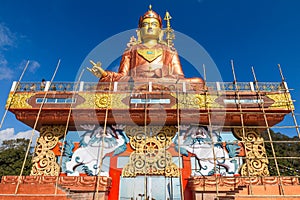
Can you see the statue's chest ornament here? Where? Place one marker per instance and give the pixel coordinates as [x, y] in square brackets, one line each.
[150, 54]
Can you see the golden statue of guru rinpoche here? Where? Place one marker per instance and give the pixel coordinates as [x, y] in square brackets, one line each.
[148, 58]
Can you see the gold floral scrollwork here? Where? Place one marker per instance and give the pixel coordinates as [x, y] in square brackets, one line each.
[102, 100]
[256, 158]
[282, 100]
[110, 101]
[44, 162]
[150, 156]
[18, 100]
[197, 101]
[89, 100]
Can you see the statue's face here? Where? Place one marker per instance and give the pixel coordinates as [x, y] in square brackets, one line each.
[150, 29]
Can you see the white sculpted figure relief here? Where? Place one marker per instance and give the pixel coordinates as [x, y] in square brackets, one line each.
[94, 145]
[198, 141]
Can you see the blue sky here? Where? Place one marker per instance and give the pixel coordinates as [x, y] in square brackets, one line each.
[259, 33]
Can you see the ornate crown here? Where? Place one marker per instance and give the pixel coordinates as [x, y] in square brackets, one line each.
[150, 14]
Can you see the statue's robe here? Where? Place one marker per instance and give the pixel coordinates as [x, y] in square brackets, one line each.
[140, 63]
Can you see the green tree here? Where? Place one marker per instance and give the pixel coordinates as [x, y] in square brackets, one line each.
[286, 151]
[12, 155]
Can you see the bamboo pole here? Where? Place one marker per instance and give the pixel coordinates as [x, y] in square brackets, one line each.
[102, 141]
[286, 92]
[34, 127]
[14, 92]
[211, 134]
[75, 92]
[242, 120]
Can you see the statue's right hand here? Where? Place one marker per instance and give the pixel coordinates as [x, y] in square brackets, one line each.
[97, 70]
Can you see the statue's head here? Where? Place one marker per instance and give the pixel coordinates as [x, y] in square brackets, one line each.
[150, 14]
[150, 25]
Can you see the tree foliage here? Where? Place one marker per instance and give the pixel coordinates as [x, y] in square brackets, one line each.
[12, 154]
[287, 151]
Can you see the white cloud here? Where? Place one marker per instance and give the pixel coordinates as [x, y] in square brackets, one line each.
[7, 38]
[5, 71]
[9, 134]
[32, 67]
[3, 61]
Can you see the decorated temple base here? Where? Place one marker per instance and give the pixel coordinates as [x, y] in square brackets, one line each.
[242, 188]
[44, 187]
[206, 187]
[159, 160]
